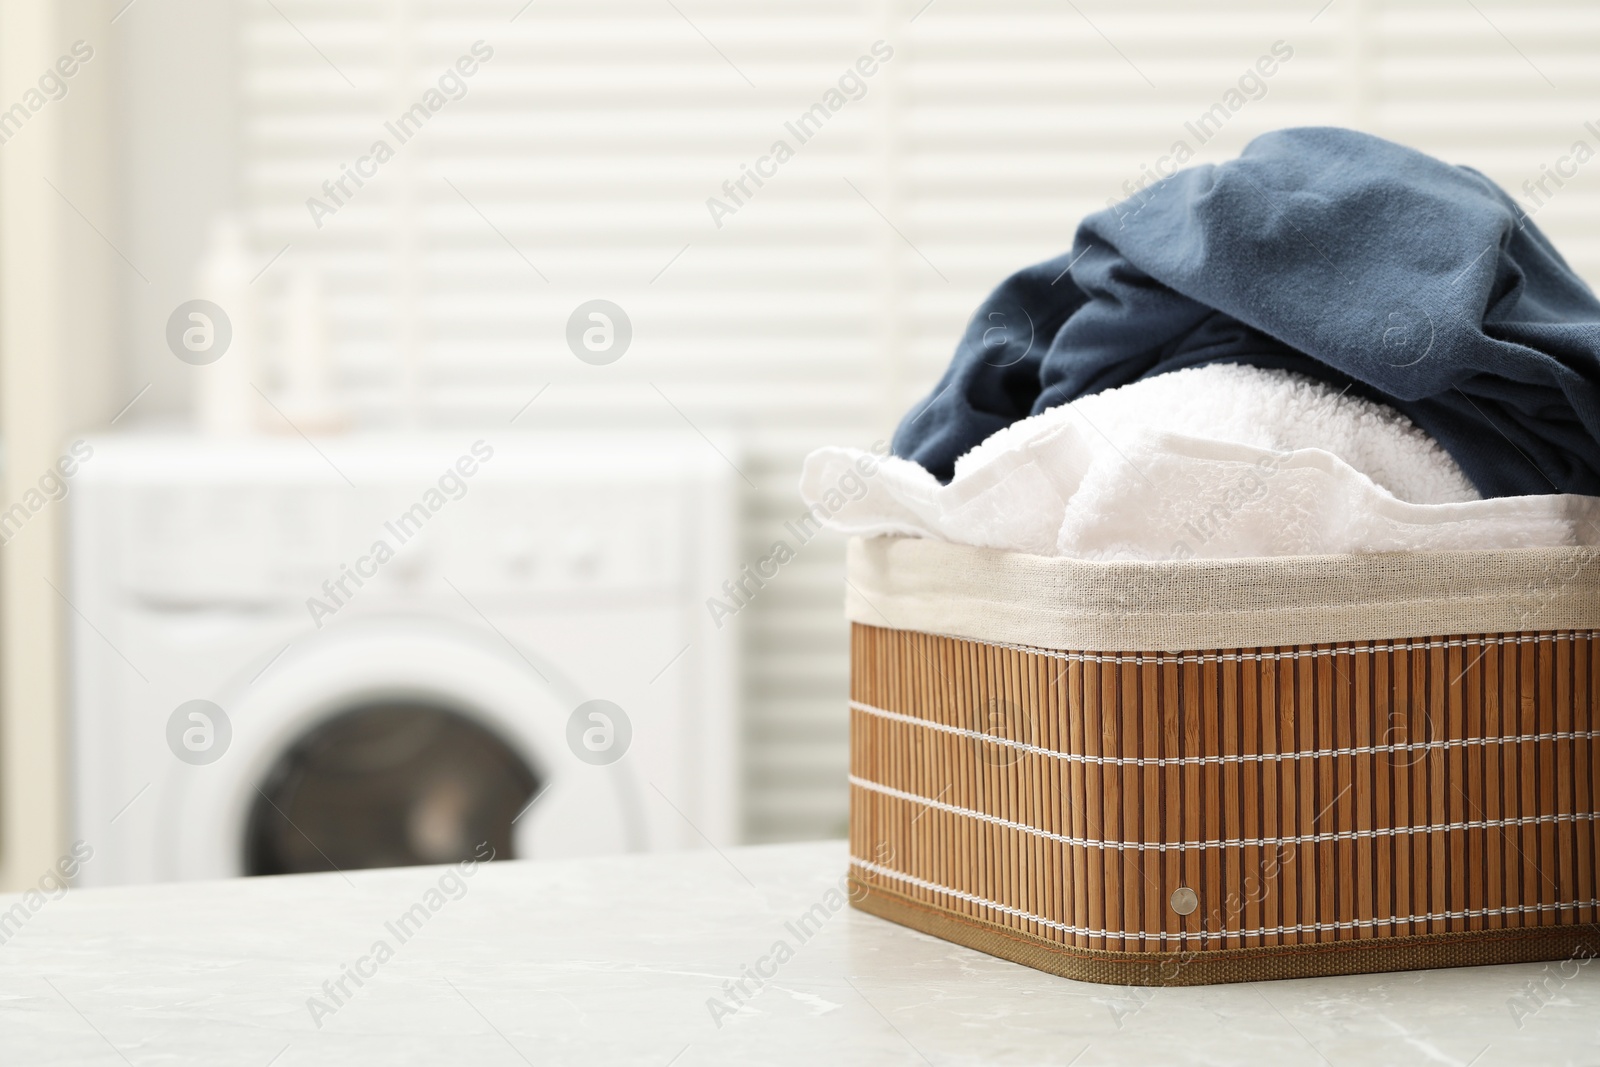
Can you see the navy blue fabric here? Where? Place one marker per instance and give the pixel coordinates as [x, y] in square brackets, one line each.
[1323, 251]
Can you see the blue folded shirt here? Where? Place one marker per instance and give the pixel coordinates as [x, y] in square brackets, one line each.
[1323, 251]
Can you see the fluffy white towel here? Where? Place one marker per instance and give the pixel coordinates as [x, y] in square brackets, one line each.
[1219, 461]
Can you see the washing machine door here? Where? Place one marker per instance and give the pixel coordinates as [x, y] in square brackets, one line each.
[394, 743]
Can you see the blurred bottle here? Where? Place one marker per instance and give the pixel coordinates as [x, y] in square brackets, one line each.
[226, 403]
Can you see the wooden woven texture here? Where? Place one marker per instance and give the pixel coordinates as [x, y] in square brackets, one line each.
[1327, 794]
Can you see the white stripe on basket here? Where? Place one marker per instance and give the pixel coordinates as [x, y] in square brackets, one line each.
[1196, 761]
[1231, 842]
[1208, 935]
[1344, 649]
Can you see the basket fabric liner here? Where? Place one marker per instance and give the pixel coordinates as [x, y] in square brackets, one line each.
[1228, 770]
[1185, 605]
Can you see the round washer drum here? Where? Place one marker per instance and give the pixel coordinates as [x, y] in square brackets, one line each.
[389, 784]
[395, 742]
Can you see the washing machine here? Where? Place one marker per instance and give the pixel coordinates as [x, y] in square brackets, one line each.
[318, 654]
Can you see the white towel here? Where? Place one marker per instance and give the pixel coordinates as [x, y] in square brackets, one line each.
[1219, 461]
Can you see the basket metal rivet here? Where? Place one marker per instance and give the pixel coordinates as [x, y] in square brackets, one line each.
[1184, 900]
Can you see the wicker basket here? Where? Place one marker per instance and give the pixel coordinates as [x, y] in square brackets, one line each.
[1216, 771]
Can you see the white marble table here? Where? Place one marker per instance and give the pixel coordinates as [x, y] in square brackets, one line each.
[615, 960]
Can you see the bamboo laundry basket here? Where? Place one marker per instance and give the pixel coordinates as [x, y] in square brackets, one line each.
[1228, 770]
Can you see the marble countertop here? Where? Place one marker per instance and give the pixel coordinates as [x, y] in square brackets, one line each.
[624, 960]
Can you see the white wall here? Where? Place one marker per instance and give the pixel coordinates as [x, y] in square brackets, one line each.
[58, 231]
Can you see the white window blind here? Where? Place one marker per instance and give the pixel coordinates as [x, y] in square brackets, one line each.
[579, 162]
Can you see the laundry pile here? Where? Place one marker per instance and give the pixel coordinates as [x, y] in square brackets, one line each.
[1331, 344]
